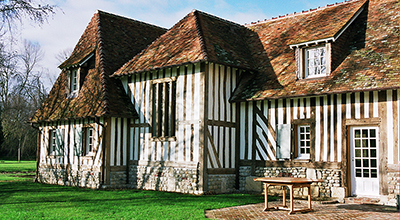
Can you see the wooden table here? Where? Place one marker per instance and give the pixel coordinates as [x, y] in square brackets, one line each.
[291, 183]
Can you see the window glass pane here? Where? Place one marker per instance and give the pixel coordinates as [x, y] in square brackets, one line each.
[307, 150]
[374, 173]
[358, 172]
[365, 172]
[364, 133]
[358, 153]
[364, 143]
[358, 162]
[372, 143]
[373, 162]
[357, 133]
[365, 163]
[372, 133]
[373, 153]
[365, 153]
[357, 143]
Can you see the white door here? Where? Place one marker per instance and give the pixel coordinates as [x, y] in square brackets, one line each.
[364, 161]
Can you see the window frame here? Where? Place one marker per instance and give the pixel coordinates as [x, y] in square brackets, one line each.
[89, 147]
[163, 108]
[299, 141]
[319, 66]
[296, 123]
[302, 61]
[56, 148]
[73, 81]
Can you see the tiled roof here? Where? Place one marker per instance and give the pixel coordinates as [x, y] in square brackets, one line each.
[197, 37]
[365, 57]
[113, 40]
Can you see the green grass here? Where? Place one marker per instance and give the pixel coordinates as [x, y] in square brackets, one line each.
[23, 199]
[14, 166]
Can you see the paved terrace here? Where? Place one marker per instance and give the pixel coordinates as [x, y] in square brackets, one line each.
[351, 209]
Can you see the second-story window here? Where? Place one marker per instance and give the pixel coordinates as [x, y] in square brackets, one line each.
[315, 62]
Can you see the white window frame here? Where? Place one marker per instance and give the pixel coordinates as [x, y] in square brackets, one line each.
[302, 139]
[89, 140]
[73, 82]
[302, 61]
[53, 142]
[56, 142]
[320, 66]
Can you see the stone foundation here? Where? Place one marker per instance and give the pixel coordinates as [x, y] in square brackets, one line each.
[393, 180]
[80, 178]
[172, 179]
[323, 189]
[221, 183]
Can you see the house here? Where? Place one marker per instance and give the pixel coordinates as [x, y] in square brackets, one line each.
[209, 104]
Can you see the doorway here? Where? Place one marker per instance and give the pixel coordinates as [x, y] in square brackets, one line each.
[364, 160]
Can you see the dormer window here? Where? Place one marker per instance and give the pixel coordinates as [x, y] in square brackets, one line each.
[76, 75]
[313, 61]
[73, 83]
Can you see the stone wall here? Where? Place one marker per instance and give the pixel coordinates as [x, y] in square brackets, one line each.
[172, 179]
[221, 183]
[80, 178]
[332, 180]
[393, 180]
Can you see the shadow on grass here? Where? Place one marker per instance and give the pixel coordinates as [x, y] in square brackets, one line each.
[44, 193]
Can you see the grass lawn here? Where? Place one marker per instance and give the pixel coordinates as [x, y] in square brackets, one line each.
[21, 198]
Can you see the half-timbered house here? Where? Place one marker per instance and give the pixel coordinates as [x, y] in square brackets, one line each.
[209, 104]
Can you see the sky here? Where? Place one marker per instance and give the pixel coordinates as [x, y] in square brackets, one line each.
[63, 30]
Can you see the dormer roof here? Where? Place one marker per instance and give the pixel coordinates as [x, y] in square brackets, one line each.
[112, 40]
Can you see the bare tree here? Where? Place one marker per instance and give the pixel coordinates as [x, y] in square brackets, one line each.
[21, 87]
[23, 95]
[64, 54]
[12, 10]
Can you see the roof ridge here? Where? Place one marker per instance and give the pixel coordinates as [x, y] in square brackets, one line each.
[130, 19]
[218, 18]
[200, 34]
[311, 10]
[103, 78]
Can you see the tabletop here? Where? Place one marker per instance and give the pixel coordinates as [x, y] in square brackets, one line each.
[288, 180]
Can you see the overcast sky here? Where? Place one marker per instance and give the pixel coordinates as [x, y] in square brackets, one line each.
[64, 29]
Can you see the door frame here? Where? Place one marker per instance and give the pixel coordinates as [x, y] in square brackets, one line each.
[352, 174]
[346, 170]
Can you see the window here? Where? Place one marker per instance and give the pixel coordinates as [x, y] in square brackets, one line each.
[73, 83]
[163, 108]
[303, 141]
[56, 142]
[89, 140]
[315, 62]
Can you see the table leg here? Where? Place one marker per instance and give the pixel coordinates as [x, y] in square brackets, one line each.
[266, 196]
[284, 196]
[291, 199]
[309, 197]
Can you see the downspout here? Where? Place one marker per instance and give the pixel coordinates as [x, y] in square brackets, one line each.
[37, 151]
